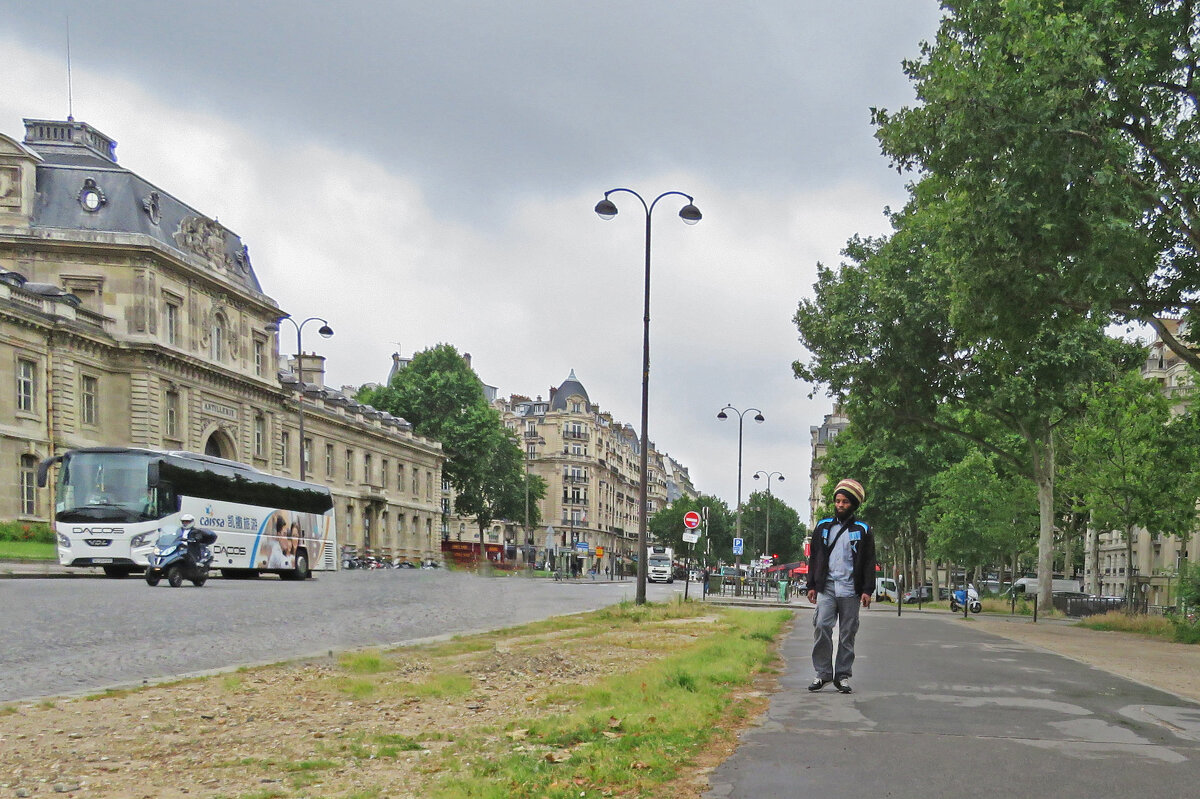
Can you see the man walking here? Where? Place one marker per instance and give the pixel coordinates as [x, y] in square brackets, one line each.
[841, 576]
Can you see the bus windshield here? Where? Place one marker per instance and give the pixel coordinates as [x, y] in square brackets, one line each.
[106, 486]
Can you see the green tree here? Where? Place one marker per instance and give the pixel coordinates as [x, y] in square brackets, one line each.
[978, 514]
[716, 536]
[895, 465]
[443, 399]
[1133, 466]
[784, 523]
[1065, 135]
[882, 334]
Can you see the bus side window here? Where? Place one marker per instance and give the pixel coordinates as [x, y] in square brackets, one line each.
[168, 500]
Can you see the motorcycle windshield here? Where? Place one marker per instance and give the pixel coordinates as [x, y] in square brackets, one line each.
[167, 540]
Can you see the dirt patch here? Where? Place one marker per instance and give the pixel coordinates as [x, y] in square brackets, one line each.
[324, 728]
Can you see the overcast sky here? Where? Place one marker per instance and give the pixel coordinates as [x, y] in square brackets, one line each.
[426, 172]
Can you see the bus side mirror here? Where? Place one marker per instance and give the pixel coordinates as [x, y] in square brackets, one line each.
[43, 469]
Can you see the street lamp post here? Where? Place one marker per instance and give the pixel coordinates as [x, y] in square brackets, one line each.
[325, 331]
[767, 545]
[691, 215]
[758, 417]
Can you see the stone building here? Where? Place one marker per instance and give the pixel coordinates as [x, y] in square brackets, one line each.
[592, 467]
[129, 318]
[821, 437]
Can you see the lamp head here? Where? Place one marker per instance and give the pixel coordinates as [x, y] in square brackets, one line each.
[326, 331]
[605, 209]
[756, 474]
[722, 414]
[271, 327]
[780, 477]
[758, 417]
[690, 214]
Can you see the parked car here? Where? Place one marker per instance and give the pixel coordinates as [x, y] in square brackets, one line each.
[922, 593]
[925, 594]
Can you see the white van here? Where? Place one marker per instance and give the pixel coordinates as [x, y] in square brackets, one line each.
[885, 590]
[1029, 586]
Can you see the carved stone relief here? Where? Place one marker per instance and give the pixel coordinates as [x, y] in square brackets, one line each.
[10, 186]
[150, 204]
[204, 237]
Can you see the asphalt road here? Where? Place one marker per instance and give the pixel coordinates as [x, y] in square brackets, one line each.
[77, 636]
[941, 710]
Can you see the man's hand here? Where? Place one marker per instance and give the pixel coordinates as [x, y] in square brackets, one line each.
[812, 597]
[866, 600]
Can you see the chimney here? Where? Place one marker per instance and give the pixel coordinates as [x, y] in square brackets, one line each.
[311, 369]
[467, 358]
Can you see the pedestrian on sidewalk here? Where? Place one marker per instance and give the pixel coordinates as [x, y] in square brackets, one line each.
[841, 576]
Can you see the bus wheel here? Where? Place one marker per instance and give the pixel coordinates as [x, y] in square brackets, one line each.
[301, 570]
[175, 576]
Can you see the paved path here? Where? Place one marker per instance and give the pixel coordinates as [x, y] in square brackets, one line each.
[942, 710]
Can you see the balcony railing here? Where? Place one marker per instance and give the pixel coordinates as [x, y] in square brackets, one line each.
[576, 435]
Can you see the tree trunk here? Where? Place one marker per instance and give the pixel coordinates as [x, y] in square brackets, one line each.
[1043, 475]
[1130, 582]
[1091, 559]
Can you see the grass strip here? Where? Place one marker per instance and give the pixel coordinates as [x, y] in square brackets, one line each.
[625, 734]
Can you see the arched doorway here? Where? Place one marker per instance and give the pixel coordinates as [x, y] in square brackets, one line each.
[220, 445]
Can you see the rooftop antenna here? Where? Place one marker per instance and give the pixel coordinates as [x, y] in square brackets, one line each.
[70, 98]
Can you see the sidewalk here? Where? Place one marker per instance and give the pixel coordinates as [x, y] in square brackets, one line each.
[943, 708]
[10, 569]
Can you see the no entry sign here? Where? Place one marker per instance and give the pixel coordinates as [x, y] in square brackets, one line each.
[691, 520]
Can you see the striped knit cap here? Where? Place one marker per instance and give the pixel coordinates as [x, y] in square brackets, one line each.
[852, 489]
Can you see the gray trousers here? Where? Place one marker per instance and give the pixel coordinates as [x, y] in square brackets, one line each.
[843, 611]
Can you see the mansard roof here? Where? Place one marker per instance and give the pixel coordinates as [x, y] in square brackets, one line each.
[570, 387]
[80, 187]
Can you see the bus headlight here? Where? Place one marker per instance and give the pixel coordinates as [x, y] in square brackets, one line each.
[139, 540]
[63, 541]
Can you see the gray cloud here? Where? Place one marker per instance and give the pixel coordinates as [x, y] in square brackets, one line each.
[422, 172]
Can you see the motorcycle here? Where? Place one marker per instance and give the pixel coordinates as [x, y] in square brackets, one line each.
[181, 555]
[970, 597]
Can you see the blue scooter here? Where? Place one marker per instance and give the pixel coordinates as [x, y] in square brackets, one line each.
[181, 555]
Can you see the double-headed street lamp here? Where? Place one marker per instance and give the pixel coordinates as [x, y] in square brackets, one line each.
[769, 475]
[325, 331]
[758, 417]
[691, 215]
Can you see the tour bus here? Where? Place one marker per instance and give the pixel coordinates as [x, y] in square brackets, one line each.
[111, 504]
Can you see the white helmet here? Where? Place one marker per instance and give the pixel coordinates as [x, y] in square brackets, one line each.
[187, 518]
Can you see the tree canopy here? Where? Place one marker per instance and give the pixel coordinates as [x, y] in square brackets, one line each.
[443, 399]
[1065, 135]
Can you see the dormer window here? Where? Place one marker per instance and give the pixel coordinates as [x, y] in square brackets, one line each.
[90, 196]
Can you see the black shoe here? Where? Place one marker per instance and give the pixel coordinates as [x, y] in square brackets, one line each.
[843, 685]
[817, 684]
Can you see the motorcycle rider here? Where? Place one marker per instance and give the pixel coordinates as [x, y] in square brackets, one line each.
[193, 537]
